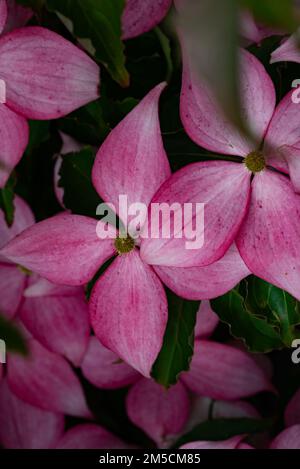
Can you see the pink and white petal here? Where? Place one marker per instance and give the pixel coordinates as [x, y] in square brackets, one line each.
[288, 439]
[46, 76]
[40, 287]
[159, 412]
[3, 14]
[196, 283]
[232, 443]
[222, 191]
[89, 436]
[59, 323]
[14, 136]
[129, 311]
[104, 369]
[292, 157]
[236, 409]
[292, 411]
[46, 380]
[64, 249]
[23, 426]
[253, 31]
[140, 16]
[59, 191]
[204, 121]
[222, 372]
[132, 160]
[270, 235]
[23, 218]
[288, 51]
[12, 285]
[207, 321]
[17, 15]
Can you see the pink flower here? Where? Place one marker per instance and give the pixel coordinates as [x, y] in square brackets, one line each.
[67, 250]
[45, 77]
[140, 16]
[247, 202]
[287, 51]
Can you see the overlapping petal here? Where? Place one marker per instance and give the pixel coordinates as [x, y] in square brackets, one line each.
[231, 443]
[129, 311]
[292, 411]
[3, 14]
[287, 51]
[288, 439]
[23, 218]
[89, 436]
[12, 284]
[46, 76]
[140, 16]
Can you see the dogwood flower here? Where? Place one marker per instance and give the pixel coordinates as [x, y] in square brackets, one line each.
[66, 249]
[44, 77]
[140, 16]
[249, 202]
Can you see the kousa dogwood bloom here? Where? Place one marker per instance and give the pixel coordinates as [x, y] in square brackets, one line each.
[66, 249]
[55, 315]
[247, 202]
[45, 77]
[217, 370]
[140, 16]
[23, 426]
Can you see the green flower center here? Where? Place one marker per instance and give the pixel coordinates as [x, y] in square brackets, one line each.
[124, 245]
[255, 161]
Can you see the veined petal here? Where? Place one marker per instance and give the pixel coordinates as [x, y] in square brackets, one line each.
[12, 285]
[64, 249]
[39, 287]
[223, 372]
[287, 51]
[89, 436]
[23, 218]
[59, 323]
[292, 411]
[17, 15]
[288, 439]
[46, 380]
[204, 121]
[14, 136]
[140, 16]
[132, 160]
[129, 311]
[232, 443]
[270, 235]
[104, 369]
[222, 191]
[46, 76]
[196, 283]
[3, 14]
[161, 413]
[23, 426]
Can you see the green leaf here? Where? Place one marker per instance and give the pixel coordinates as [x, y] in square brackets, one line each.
[223, 429]
[7, 200]
[99, 21]
[178, 346]
[276, 13]
[12, 337]
[75, 178]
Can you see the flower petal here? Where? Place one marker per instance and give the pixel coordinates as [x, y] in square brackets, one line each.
[23, 218]
[288, 439]
[232, 443]
[161, 413]
[3, 14]
[235, 409]
[40, 287]
[23, 426]
[223, 189]
[292, 411]
[204, 121]
[46, 380]
[64, 249]
[14, 136]
[207, 321]
[59, 323]
[46, 76]
[17, 15]
[104, 369]
[223, 372]
[269, 238]
[12, 285]
[132, 160]
[287, 51]
[129, 311]
[196, 283]
[89, 436]
[140, 16]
